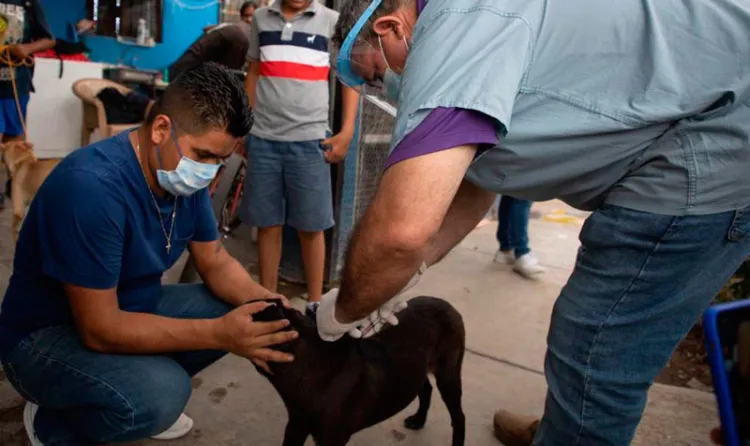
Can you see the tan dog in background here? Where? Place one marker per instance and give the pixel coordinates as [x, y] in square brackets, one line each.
[27, 173]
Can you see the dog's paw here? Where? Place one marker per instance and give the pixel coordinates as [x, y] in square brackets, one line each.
[414, 422]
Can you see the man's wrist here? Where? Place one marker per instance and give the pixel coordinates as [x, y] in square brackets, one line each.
[216, 333]
[342, 317]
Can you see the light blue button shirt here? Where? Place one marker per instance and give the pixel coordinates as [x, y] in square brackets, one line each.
[639, 103]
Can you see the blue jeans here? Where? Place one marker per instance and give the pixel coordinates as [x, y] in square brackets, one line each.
[513, 225]
[641, 281]
[89, 398]
[287, 182]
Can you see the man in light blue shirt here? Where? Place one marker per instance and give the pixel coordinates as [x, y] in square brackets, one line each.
[636, 110]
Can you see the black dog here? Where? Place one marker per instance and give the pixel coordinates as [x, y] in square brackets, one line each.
[334, 389]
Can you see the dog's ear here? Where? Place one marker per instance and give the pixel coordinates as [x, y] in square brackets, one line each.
[271, 313]
[28, 146]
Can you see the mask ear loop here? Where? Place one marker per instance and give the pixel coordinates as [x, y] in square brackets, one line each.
[382, 51]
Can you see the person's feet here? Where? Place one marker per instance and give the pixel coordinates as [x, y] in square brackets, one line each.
[179, 429]
[528, 266]
[505, 257]
[513, 429]
[29, 414]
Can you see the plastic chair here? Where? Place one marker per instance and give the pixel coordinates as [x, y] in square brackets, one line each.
[94, 115]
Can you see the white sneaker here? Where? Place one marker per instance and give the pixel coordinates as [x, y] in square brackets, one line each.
[528, 266]
[29, 414]
[179, 429]
[505, 257]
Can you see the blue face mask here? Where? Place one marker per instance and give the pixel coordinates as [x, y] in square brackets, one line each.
[188, 178]
[391, 85]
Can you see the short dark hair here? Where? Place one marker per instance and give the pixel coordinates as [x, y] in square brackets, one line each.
[248, 4]
[206, 97]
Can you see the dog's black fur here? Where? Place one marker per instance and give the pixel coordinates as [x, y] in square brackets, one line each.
[334, 389]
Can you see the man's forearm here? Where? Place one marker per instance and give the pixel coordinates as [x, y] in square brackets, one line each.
[467, 209]
[231, 283]
[395, 234]
[377, 267]
[143, 333]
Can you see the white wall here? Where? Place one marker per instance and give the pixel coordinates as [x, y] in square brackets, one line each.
[55, 114]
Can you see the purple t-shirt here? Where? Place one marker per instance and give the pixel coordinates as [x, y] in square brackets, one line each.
[446, 128]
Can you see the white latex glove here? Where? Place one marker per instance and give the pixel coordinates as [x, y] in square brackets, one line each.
[386, 314]
[330, 329]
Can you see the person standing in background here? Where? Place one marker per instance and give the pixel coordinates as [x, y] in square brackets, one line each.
[23, 31]
[513, 237]
[226, 45]
[247, 11]
[288, 148]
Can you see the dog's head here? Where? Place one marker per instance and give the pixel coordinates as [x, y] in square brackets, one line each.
[15, 153]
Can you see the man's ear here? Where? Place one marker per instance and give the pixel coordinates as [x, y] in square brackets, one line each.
[160, 128]
[389, 24]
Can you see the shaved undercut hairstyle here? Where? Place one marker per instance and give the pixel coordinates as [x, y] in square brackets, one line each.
[207, 97]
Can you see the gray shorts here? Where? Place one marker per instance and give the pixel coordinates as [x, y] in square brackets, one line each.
[287, 182]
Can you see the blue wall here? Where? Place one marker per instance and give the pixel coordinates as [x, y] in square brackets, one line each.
[181, 27]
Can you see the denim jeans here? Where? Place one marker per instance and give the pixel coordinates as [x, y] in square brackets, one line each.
[89, 398]
[513, 225]
[640, 283]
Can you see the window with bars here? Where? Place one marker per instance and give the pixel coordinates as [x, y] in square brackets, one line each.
[119, 18]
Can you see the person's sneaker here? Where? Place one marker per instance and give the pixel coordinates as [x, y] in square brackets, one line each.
[528, 266]
[29, 414]
[505, 257]
[179, 429]
[515, 430]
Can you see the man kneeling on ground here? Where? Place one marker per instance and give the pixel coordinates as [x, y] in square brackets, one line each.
[88, 335]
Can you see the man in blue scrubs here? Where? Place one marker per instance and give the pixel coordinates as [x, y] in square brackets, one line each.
[637, 110]
[88, 335]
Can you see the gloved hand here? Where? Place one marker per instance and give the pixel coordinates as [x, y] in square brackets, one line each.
[330, 329]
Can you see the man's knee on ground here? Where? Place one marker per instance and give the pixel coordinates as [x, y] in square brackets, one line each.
[151, 408]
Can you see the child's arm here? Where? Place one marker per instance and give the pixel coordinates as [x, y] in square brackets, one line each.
[41, 35]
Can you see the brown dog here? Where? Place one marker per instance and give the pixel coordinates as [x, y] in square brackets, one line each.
[27, 173]
[334, 389]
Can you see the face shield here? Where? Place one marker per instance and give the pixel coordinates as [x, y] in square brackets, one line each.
[359, 61]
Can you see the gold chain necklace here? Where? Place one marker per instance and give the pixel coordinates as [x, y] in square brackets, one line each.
[168, 237]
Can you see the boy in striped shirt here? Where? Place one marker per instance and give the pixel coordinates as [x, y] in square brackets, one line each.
[288, 147]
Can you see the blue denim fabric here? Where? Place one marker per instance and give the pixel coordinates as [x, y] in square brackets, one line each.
[513, 225]
[287, 182]
[640, 282]
[89, 398]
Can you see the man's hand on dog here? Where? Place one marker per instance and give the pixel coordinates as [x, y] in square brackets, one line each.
[239, 334]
